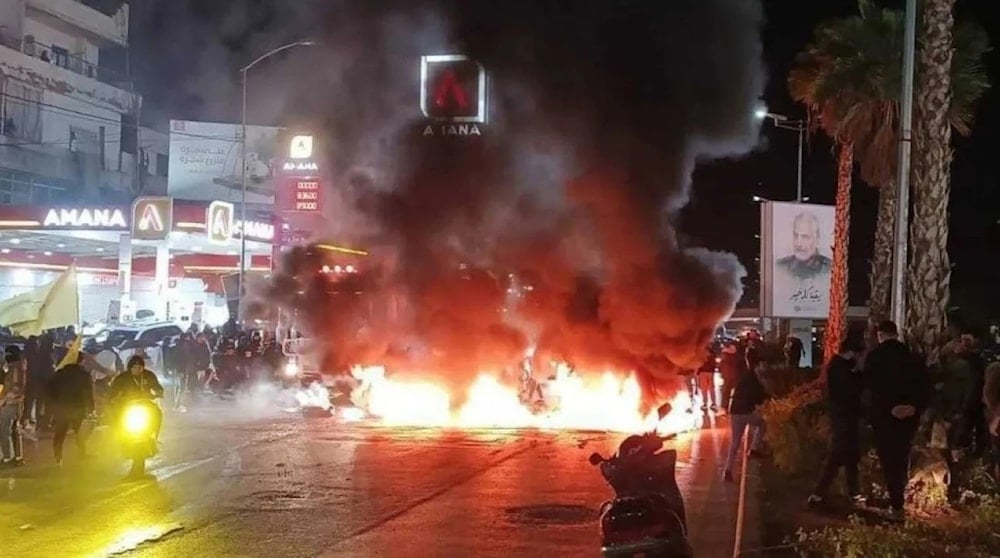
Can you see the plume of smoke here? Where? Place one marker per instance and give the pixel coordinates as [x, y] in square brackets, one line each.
[599, 113]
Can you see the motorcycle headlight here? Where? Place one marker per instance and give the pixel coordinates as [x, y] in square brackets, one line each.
[291, 369]
[137, 419]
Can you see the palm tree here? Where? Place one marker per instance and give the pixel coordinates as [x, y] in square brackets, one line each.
[950, 78]
[849, 78]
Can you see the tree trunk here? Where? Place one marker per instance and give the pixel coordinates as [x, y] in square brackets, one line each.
[929, 270]
[880, 277]
[836, 323]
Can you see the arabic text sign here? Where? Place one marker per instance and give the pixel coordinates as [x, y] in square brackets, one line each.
[796, 259]
[206, 161]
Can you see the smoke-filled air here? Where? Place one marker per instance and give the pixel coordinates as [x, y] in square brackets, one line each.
[550, 235]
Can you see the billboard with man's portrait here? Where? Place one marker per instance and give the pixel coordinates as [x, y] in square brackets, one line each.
[796, 259]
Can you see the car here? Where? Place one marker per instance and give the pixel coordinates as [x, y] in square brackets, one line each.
[147, 336]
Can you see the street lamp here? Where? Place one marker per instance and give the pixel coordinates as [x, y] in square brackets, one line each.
[783, 122]
[243, 159]
[762, 199]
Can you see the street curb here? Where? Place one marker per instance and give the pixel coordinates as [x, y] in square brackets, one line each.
[752, 524]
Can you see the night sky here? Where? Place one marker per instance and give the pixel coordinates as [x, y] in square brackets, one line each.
[719, 217]
[721, 214]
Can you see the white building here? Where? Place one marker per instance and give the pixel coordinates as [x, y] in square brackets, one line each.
[67, 126]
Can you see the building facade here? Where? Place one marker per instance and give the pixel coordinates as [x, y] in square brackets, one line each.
[68, 127]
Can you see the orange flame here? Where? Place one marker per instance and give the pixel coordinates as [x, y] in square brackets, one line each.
[609, 402]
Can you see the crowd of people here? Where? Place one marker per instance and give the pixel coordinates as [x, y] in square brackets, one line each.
[51, 384]
[887, 385]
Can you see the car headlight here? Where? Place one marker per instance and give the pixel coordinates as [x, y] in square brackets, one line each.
[137, 419]
[291, 369]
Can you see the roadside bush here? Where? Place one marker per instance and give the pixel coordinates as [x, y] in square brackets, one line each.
[969, 534]
[779, 380]
[797, 428]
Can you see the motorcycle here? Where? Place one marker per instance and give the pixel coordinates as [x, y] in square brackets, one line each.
[136, 431]
[646, 518]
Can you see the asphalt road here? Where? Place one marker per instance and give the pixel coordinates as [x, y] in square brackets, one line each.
[233, 481]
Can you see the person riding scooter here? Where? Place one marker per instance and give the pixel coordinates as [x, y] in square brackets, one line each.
[136, 383]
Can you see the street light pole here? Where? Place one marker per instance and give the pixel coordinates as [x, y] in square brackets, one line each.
[899, 258]
[243, 160]
[798, 184]
[785, 123]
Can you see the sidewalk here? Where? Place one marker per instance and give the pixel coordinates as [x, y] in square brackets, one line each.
[711, 502]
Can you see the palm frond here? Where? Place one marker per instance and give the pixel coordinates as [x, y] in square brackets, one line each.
[849, 78]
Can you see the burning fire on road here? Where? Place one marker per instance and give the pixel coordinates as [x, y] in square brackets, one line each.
[605, 402]
[556, 229]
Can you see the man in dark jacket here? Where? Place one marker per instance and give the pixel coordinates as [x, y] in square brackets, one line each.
[844, 385]
[136, 383]
[900, 390]
[71, 392]
[747, 396]
[41, 367]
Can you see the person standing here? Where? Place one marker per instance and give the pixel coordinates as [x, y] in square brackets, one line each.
[183, 365]
[41, 367]
[793, 352]
[12, 382]
[743, 413]
[706, 382]
[844, 385]
[900, 390]
[733, 361]
[72, 396]
[752, 350]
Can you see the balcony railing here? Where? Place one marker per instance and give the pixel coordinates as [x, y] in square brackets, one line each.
[61, 57]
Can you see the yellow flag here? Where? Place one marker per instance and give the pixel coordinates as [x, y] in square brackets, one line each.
[56, 304]
[73, 352]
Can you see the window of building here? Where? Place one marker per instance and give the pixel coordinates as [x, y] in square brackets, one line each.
[60, 57]
[162, 164]
[22, 118]
[22, 188]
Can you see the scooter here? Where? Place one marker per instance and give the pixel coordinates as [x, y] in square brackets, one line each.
[136, 431]
[646, 518]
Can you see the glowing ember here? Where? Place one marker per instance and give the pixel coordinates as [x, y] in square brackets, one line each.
[573, 401]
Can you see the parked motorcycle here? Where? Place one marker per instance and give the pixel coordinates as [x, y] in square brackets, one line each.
[646, 518]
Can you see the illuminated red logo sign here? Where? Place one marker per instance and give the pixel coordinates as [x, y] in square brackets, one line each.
[452, 88]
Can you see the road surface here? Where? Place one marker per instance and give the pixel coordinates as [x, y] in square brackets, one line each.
[277, 484]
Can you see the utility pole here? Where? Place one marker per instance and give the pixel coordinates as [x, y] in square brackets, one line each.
[900, 258]
[243, 160]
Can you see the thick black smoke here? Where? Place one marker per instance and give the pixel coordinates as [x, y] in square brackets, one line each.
[599, 112]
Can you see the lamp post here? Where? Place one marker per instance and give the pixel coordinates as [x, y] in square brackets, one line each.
[243, 160]
[785, 123]
[900, 254]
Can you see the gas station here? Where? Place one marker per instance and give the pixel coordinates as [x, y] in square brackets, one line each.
[161, 257]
